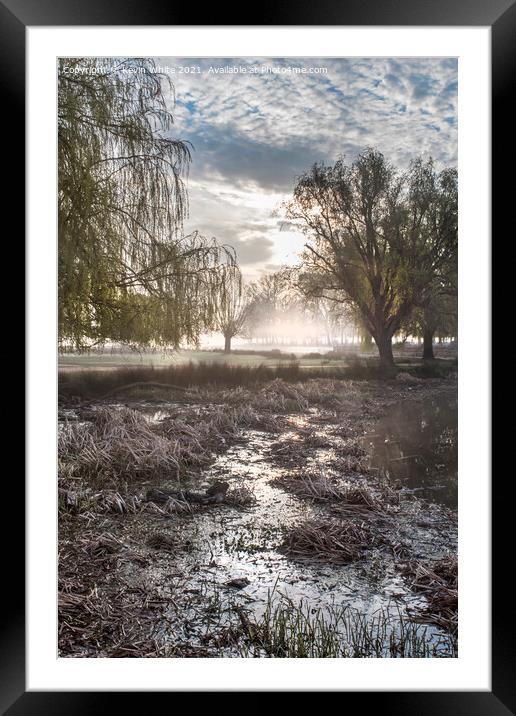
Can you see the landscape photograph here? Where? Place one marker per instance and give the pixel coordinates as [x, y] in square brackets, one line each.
[257, 357]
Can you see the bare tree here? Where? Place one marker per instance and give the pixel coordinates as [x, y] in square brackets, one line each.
[232, 306]
[335, 314]
[268, 302]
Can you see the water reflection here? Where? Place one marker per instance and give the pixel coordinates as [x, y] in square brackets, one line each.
[415, 443]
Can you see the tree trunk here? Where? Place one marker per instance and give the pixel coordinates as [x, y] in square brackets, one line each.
[384, 345]
[227, 344]
[366, 342]
[428, 346]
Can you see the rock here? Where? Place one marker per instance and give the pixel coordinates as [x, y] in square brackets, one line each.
[238, 582]
[218, 491]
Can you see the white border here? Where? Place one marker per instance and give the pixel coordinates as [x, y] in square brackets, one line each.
[471, 670]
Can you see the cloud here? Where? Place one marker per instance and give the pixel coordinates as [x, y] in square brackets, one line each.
[232, 219]
[253, 134]
[241, 159]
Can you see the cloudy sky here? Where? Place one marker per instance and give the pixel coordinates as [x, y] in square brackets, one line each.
[254, 131]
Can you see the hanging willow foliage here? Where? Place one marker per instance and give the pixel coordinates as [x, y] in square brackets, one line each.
[125, 272]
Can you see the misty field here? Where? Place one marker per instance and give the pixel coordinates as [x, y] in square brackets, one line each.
[334, 534]
[250, 355]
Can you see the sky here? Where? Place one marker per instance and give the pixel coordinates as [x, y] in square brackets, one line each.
[255, 130]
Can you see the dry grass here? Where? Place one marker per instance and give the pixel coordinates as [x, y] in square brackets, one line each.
[360, 498]
[350, 456]
[438, 581]
[283, 397]
[328, 541]
[288, 452]
[172, 506]
[216, 427]
[97, 383]
[111, 501]
[312, 486]
[352, 447]
[319, 487]
[313, 440]
[405, 377]
[240, 496]
[347, 464]
[164, 542]
[280, 397]
[120, 446]
[88, 503]
[99, 614]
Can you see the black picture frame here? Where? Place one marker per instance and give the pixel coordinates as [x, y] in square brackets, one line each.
[500, 15]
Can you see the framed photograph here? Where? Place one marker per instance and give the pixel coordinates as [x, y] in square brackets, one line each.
[254, 255]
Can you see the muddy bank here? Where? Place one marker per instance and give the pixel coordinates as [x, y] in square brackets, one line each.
[230, 579]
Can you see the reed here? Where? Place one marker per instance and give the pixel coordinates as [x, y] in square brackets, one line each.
[298, 630]
[438, 581]
[336, 541]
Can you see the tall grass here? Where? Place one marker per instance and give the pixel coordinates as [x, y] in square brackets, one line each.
[117, 447]
[100, 383]
[95, 384]
[290, 630]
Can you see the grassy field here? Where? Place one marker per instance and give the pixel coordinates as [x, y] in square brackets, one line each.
[253, 358]
[271, 358]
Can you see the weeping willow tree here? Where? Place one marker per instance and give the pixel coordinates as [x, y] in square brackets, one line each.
[125, 271]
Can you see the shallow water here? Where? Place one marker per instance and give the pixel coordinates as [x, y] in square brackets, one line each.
[225, 543]
[415, 445]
